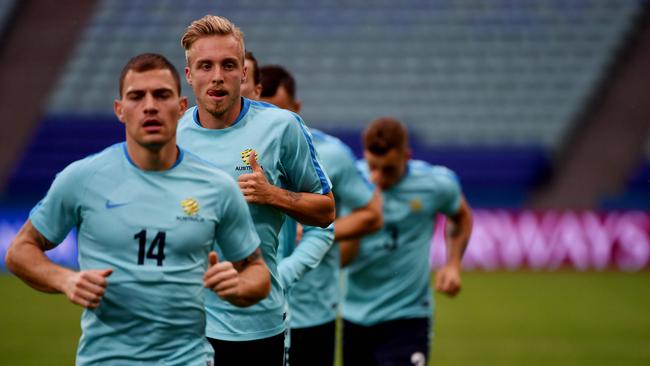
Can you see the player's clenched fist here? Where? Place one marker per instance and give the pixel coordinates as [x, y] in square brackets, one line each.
[222, 278]
[448, 280]
[86, 288]
[255, 187]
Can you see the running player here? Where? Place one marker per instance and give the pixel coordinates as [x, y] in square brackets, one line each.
[270, 152]
[147, 215]
[314, 299]
[389, 305]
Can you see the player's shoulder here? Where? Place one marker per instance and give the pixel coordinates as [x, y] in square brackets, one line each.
[330, 144]
[188, 118]
[422, 170]
[362, 166]
[328, 140]
[272, 115]
[91, 163]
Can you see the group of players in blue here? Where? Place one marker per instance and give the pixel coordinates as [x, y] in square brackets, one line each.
[215, 235]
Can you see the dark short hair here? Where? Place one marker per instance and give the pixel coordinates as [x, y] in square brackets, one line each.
[384, 134]
[146, 62]
[257, 75]
[274, 76]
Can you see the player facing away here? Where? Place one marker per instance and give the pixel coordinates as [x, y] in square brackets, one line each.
[269, 151]
[147, 215]
[314, 299]
[388, 307]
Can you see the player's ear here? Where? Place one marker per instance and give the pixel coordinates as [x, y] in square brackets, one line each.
[408, 153]
[297, 106]
[117, 108]
[244, 72]
[183, 105]
[258, 91]
[188, 75]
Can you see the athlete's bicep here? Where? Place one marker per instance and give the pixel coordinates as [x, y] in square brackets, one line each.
[28, 245]
[29, 235]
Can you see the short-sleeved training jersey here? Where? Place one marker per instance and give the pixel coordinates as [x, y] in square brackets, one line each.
[284, 150]
[389, 278]
[155, 230]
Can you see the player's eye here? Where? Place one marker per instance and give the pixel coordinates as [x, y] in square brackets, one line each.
[134, 96]
[163, 94]
[229, 66]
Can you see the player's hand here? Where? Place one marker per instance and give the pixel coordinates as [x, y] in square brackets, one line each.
[448, 280]
[222, 278]
[255, 187]
[86, 288]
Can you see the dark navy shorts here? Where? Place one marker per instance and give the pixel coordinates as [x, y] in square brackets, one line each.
[313, 346]
[401, 342]
[266, 351]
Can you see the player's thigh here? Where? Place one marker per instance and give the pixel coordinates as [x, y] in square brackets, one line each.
[313, 346]
[404, 342]
[266, 351]
[358, 344]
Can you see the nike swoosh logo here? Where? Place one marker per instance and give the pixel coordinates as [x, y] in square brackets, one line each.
[110, 204]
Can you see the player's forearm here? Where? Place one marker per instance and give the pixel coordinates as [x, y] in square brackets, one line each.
[360, 222]
[458, 231]
[314, 246]
[31, 265]
[349, 250]
[312, 209]
[357, 224]
[254, 284]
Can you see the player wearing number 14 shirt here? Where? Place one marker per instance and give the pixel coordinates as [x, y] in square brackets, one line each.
[147, 215]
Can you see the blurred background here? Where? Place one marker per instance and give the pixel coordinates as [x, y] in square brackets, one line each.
[542, 107]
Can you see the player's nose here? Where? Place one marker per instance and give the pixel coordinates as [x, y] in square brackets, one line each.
[217, 76]
[150, 104]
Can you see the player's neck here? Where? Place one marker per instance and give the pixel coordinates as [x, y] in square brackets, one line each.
[153, 158]
[217, 122]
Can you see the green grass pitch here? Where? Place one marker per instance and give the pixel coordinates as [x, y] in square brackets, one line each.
[500, 318]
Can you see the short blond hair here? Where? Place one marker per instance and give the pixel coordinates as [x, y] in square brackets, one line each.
[211, 25]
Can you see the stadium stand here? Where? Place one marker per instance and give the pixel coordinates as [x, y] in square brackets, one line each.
[487, 88]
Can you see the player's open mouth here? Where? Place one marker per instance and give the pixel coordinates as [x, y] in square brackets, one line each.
[217, 94]
[152, 125]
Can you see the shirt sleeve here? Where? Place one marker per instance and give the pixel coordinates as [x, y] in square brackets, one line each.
[352, 189]
[56, 214]
[313, 247]
[235, 232]
[300, 161]
[448, 190]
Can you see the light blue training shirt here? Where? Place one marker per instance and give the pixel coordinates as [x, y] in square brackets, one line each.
[285, 151]
[155, 230]
[389, 278]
